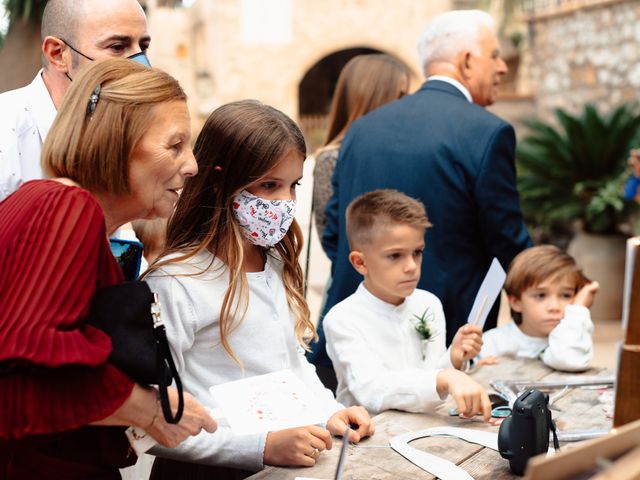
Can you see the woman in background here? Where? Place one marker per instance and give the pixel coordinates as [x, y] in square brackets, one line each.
[365, 83]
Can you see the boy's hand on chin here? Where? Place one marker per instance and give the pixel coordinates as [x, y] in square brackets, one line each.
[466, 344]
[586, 294]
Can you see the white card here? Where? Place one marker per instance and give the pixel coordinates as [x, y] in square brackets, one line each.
[630, 261]
[270, 402]
[487, 294]
[139, 439]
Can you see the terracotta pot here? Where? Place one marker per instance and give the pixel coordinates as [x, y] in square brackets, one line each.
[602, 258]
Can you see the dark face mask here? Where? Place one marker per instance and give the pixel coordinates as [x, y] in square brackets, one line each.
[139, 57]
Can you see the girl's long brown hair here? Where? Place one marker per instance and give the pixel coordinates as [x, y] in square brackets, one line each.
[239, 143]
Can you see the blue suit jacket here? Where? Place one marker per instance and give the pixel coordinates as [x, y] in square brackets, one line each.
[455, 157]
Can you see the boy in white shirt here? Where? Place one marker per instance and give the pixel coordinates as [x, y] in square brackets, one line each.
[550, 299]
[387, 340]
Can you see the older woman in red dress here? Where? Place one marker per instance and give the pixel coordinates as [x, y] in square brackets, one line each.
[118, 150]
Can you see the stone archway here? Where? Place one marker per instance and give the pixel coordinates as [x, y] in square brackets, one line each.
[315, 92]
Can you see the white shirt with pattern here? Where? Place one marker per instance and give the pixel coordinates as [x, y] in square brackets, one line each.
[27, 115]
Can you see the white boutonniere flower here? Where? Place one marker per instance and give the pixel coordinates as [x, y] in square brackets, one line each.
[423, 324]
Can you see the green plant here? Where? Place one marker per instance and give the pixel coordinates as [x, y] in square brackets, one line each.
[26, 10]
[576, 171]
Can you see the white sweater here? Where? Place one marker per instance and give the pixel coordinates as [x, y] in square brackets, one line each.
[265, 342]
[378, 355]
[568, 347]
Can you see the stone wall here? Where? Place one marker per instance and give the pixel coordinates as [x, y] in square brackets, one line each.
[234, 49]
[586, 54]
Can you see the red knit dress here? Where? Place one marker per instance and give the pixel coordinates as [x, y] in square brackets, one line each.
[54, 375]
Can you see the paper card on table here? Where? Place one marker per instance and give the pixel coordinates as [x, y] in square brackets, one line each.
[270, 402]
[630, 260]
[487, 294]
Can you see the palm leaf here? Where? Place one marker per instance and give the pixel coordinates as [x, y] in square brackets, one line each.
[574, 168]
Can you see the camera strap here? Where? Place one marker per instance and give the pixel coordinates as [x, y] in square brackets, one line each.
[552, 427]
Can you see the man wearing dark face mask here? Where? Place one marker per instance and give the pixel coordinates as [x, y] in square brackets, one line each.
[74, 33]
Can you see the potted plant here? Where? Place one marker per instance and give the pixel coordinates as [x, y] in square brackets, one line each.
[572, 174]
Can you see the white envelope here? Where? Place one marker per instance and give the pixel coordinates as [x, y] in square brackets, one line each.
[487, 294]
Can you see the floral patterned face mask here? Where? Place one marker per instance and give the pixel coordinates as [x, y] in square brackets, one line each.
[263, 222]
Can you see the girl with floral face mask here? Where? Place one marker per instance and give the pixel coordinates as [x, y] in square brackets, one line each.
[232, 286]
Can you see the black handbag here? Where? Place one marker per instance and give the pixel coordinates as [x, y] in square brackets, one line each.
[130, 314]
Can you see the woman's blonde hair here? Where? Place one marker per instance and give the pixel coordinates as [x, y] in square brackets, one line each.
[104, 114]
[365, 83]
[239, 143]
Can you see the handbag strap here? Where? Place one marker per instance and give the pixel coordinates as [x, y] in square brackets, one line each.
[164, 359]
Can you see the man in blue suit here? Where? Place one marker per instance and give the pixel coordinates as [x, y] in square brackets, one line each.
[442, 147]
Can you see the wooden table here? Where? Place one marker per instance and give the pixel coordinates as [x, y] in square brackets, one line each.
[373, 459]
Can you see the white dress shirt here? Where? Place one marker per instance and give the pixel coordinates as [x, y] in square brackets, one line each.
[568, 347]
[381, 361]
[264, 342]
[27, 115]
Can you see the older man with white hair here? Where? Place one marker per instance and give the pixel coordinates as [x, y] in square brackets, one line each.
[442, 147]
[74, 32]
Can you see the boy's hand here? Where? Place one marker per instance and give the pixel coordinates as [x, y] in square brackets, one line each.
[296, 447]
[468, 394]
[490, 360]
[356, 416]
[466, 344]
[585, 295]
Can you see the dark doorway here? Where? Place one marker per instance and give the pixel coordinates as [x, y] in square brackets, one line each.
[316, 90]
[317, 86]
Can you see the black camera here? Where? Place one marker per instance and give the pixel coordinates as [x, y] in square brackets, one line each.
[525, 433]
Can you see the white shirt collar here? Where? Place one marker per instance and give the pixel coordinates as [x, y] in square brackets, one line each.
[454, 82]
[381, 306]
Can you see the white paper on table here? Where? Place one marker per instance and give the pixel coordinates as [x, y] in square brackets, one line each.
[437, 466]
[629, 262]
[270, 402]
[487, 294]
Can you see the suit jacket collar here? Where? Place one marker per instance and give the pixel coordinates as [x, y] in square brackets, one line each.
[440, 86]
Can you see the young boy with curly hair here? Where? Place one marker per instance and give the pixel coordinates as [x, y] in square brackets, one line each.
[550, 299]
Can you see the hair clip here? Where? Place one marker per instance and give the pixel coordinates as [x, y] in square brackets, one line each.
[93, 100]
[217, 168]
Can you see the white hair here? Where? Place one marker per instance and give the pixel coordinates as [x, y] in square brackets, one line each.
[451, 32]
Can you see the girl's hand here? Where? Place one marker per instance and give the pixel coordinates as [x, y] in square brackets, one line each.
[465, 345]
[585, 295]
[468, 394]
[357, 416]
[296, 447]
